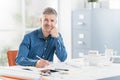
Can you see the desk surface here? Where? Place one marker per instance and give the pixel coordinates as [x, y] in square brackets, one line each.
[10, 78]
[86, 72]
[81, 71]
[13, 78]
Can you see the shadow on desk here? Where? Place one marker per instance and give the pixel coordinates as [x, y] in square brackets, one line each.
[111, 78]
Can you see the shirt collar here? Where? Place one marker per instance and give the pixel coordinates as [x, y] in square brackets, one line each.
[40, 34]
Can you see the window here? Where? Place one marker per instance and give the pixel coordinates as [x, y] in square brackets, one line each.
[18, 17]
[10, 32]
[33, 10]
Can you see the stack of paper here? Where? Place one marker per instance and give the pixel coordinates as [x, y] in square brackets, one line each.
[20, 72]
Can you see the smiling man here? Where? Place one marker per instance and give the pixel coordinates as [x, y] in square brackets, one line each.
[38, 47]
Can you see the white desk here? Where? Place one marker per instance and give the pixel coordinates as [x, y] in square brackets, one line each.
[88, 73]
[81, 71]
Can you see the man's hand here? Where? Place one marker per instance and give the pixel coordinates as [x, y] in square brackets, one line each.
[54, 32]
[42, 63]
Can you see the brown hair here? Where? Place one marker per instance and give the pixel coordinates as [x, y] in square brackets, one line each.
[49, 10]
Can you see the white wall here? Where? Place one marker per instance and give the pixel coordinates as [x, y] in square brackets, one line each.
[77, 4]
[65, 23]
[65, 8]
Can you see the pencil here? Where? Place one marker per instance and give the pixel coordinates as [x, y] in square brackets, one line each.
[38, 57]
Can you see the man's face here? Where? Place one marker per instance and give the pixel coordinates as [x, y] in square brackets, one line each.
[48, 22]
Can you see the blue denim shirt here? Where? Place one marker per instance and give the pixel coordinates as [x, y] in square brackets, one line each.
[34, 44]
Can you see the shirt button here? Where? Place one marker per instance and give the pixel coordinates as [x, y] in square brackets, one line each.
[45, 49]
[43, 56]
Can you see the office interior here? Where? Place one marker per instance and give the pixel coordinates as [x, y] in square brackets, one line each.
[84, 25]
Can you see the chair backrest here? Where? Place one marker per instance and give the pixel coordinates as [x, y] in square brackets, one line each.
[11, 55]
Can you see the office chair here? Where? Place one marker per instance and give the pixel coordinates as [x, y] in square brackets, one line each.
[11, 55]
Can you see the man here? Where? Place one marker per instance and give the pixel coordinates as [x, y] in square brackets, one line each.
[38, 47]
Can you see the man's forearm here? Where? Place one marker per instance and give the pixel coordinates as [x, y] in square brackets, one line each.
[60, 50]
[25, 61]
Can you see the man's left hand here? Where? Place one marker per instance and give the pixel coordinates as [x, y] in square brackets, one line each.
[54, 32]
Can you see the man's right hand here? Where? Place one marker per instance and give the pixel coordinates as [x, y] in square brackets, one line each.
[42, 63]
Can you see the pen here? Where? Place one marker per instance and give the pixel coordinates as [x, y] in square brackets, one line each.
[27, 69]
[38, 57]
[61, 69]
